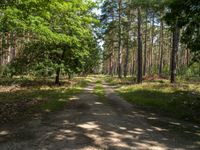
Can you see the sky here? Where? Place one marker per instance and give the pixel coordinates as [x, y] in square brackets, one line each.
[97, 11]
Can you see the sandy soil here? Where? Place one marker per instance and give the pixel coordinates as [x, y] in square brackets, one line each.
[91, 123]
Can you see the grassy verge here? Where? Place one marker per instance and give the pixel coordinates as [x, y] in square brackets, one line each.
[25, 96]
[180, 101]
[99, 90]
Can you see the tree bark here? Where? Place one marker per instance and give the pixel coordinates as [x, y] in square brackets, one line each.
[119, 41]
[175, 45]
[57, 79]
[161, 48]
[152, 46]
[127, 48]
[139, 73]
[145, 44]
[111, 71]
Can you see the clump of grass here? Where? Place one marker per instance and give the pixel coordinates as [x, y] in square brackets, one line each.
[99, 90]
[181, 100]
[57, 99]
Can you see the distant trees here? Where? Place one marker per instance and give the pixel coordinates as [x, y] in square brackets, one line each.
[159, 36]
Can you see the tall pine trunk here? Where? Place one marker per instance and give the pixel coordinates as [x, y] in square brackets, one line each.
[175, 45]
[152, 46]
[139, 73]
[145, 44]
[161, 47]
[111, 69]
[127, 47]
[119, 40]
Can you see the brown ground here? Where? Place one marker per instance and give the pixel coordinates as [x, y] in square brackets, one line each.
[91, 123]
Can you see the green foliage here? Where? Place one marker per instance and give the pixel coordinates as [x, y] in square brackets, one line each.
[188, 15]
[61, 35]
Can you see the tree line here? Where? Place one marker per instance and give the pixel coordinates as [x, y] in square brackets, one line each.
[47, 38]
[148, 37]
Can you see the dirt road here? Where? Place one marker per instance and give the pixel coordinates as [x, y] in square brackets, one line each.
[91, 123]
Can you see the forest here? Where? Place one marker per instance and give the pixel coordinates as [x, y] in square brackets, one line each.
[99, 74]
[147, 38]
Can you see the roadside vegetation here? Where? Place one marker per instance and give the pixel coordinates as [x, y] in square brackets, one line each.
[23, 97]
[181, 100]
[99, 90]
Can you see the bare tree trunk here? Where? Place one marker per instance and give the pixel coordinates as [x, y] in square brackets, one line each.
[161, 48]
[188, 57]
[110, 65]
[133, 63]
[127, 48]
[152, 46]
[126, 59]
[111, 71]
[145, 44]
[139, 73]
[57, 79]
[119, 41]
[175, 45]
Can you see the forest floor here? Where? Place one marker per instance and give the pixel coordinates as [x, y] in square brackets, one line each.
[97, 118]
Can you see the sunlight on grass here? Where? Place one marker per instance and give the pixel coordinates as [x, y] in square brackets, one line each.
[174, 99]
[41, 95]
[99, 90]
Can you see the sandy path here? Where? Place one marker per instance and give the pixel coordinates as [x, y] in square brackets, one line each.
[90, 123]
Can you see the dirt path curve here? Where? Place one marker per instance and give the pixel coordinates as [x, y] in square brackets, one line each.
[90, 123]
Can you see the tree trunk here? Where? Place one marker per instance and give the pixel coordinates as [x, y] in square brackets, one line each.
[119, 41]
[187, 57]
[139, 74]
[161, 48]
[111, 71]
[145, 44]
[127, 48]
[110, 65]
[126, 60]
[133, 63]
[152, 46]
[57, 81]
[175, 45]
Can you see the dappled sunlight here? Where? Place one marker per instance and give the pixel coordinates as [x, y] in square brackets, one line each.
[122, 128]
[152, 118]
[98, 103]
[4, 132]
[159, 129]
[89, 126]
[74, 98]
[101, 114]
[89, 123]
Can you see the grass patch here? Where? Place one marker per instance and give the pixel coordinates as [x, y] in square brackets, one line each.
[56, 99]
[181, 100]
[30, 96]
[99, 90]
